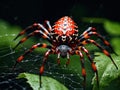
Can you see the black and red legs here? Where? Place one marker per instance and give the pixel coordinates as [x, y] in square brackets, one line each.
[35, 26]
[78, 52]
[20, 58]
[92, 31]
[43, 45]
[48, 52]
[84, 39]
[101, 48]
[40, 30]
[92, 63]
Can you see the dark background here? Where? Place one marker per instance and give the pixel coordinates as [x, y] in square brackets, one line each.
[26, 12]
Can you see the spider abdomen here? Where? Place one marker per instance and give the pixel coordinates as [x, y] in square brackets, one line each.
[65, 28]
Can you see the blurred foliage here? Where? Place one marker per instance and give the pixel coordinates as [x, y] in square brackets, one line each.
[109, 76]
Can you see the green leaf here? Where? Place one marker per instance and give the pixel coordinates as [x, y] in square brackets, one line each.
[107, 71]
[47, 82]
[115, 43]
[112, 27]
[7, 33]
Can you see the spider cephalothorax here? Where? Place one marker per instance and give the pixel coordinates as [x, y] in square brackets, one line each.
[64, 31]
[65, 41]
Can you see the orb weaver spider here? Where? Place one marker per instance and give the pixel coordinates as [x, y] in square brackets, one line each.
[65, 41]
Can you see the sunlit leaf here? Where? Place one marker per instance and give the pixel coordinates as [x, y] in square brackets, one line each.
[107, 71]
[116, 43]
[112, 27]
[47, 82]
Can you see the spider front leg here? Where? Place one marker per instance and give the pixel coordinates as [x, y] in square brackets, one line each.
[35, 25]
[92, 62]
[43, 64]
[43, 45]
[36, 32]
[83, 67]
[92, 31]
[48, 24]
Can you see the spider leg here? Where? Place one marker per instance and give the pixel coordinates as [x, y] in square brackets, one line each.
[58, 58]
[35, 25]
[92, 31]
[43, 45]
[43, 28]
[100, 47]
[36, 32]
[83, 66]
[68, 59]
[49, 26]
[92, 63]
[43, 64]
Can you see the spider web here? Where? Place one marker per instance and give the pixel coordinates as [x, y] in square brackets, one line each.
[69, 76]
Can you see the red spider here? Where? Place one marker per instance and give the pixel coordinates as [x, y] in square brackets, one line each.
[65, 41]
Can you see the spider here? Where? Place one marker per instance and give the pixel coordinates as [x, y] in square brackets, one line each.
[65, 41]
